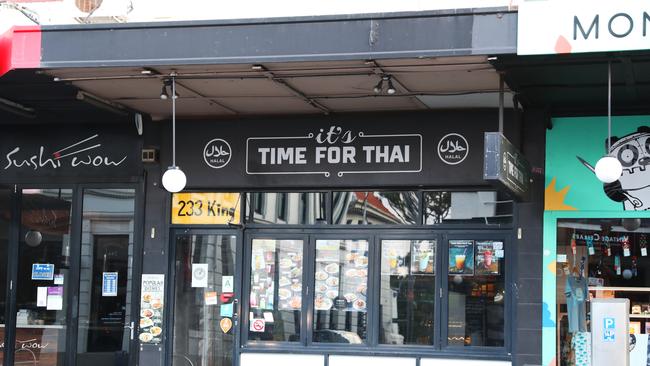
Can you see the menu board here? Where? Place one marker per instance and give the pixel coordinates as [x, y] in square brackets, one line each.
[151, 308]
[488, 257]
[461, 257]
[341, 276]
[286, 260]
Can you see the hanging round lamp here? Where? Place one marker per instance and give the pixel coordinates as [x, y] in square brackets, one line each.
[174, 179]
[608, 169]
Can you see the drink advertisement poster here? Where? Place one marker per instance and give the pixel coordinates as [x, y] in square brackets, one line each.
[461, 257]
[487, 258]
[423, 258]
[151, 308]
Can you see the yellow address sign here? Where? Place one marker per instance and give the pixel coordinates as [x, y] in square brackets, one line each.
[205, 208]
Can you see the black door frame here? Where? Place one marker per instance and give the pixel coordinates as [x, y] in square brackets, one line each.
[72, 323]
[170, 292]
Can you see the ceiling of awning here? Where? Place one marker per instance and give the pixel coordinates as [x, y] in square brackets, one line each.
[222, 91]
[576, 84]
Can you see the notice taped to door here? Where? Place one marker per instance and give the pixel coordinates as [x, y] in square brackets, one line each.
[151, 308]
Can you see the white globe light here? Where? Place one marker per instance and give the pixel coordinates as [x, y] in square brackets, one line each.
[174, 179]
[608, 169]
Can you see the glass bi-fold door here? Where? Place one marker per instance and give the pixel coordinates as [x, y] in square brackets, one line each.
[70, 269]
[206, 301]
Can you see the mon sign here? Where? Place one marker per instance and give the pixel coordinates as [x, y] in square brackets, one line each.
[555, 26]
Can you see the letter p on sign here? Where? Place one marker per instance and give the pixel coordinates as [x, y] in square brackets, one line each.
[609, 329]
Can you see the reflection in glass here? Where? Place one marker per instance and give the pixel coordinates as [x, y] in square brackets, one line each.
[106, 249]
[482, 207]
[5, 220]
[295, 208]
[408, 289]
[375, 208]
[340, 295]
[44, 251]
[198, 337]
[276, 289]
[476, 293]
[600, 255]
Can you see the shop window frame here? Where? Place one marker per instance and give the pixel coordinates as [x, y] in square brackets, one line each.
[249, 197]
[549, 280]
[372, 346]
[244, 298]
[437, 328]
[240, 268]
[509, 287]
[76, 222]
[370, 298]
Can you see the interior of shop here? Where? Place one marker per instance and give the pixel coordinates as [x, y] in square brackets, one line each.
[601, 259]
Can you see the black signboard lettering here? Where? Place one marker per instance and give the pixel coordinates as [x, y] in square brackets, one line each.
[76, 152]
[505, 166]
[378, 150]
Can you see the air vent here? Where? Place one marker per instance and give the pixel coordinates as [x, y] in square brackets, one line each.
[149, 155]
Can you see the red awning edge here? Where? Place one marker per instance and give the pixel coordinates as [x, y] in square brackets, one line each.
[20, 48]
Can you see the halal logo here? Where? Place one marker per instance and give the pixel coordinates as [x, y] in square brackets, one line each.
[453, 149]
[217, 153]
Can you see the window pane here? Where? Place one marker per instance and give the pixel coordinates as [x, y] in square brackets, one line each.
[483, 207]
[476, 293]
[198, 338]
[408, 291]
[375, 208]
[106, 254]
[5, 220]
[340, 300]
[296, 208]
[600, 258]
[276, 289]
[44, 252]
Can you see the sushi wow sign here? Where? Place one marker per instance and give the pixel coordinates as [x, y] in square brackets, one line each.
[34, 153]
[559, 26]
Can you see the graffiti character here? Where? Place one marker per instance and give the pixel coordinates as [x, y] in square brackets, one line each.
[633, 187]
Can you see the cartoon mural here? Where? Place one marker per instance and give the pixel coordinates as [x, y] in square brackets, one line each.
[573, 146]
[633, 188]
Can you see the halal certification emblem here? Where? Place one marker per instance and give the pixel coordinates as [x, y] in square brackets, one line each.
[453, 149]
[217, 153]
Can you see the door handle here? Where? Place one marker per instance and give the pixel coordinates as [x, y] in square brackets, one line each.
[235, 308]
[131, 327]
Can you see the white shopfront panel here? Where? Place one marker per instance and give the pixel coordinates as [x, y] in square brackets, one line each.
[449, 362]
[280, 359]
[370, 361]
[609, 329]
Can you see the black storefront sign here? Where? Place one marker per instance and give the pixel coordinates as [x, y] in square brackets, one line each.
[405, 149]
[505, 166]
[74, 152]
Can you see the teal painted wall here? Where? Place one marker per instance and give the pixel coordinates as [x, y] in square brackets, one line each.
[571, 137]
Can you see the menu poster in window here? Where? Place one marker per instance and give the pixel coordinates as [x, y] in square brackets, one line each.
[487, 263]
[461, 257]
[276, 268]
[341, 275]
[290, 284]
[423, 258]
[151, 308]
[395, 254]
